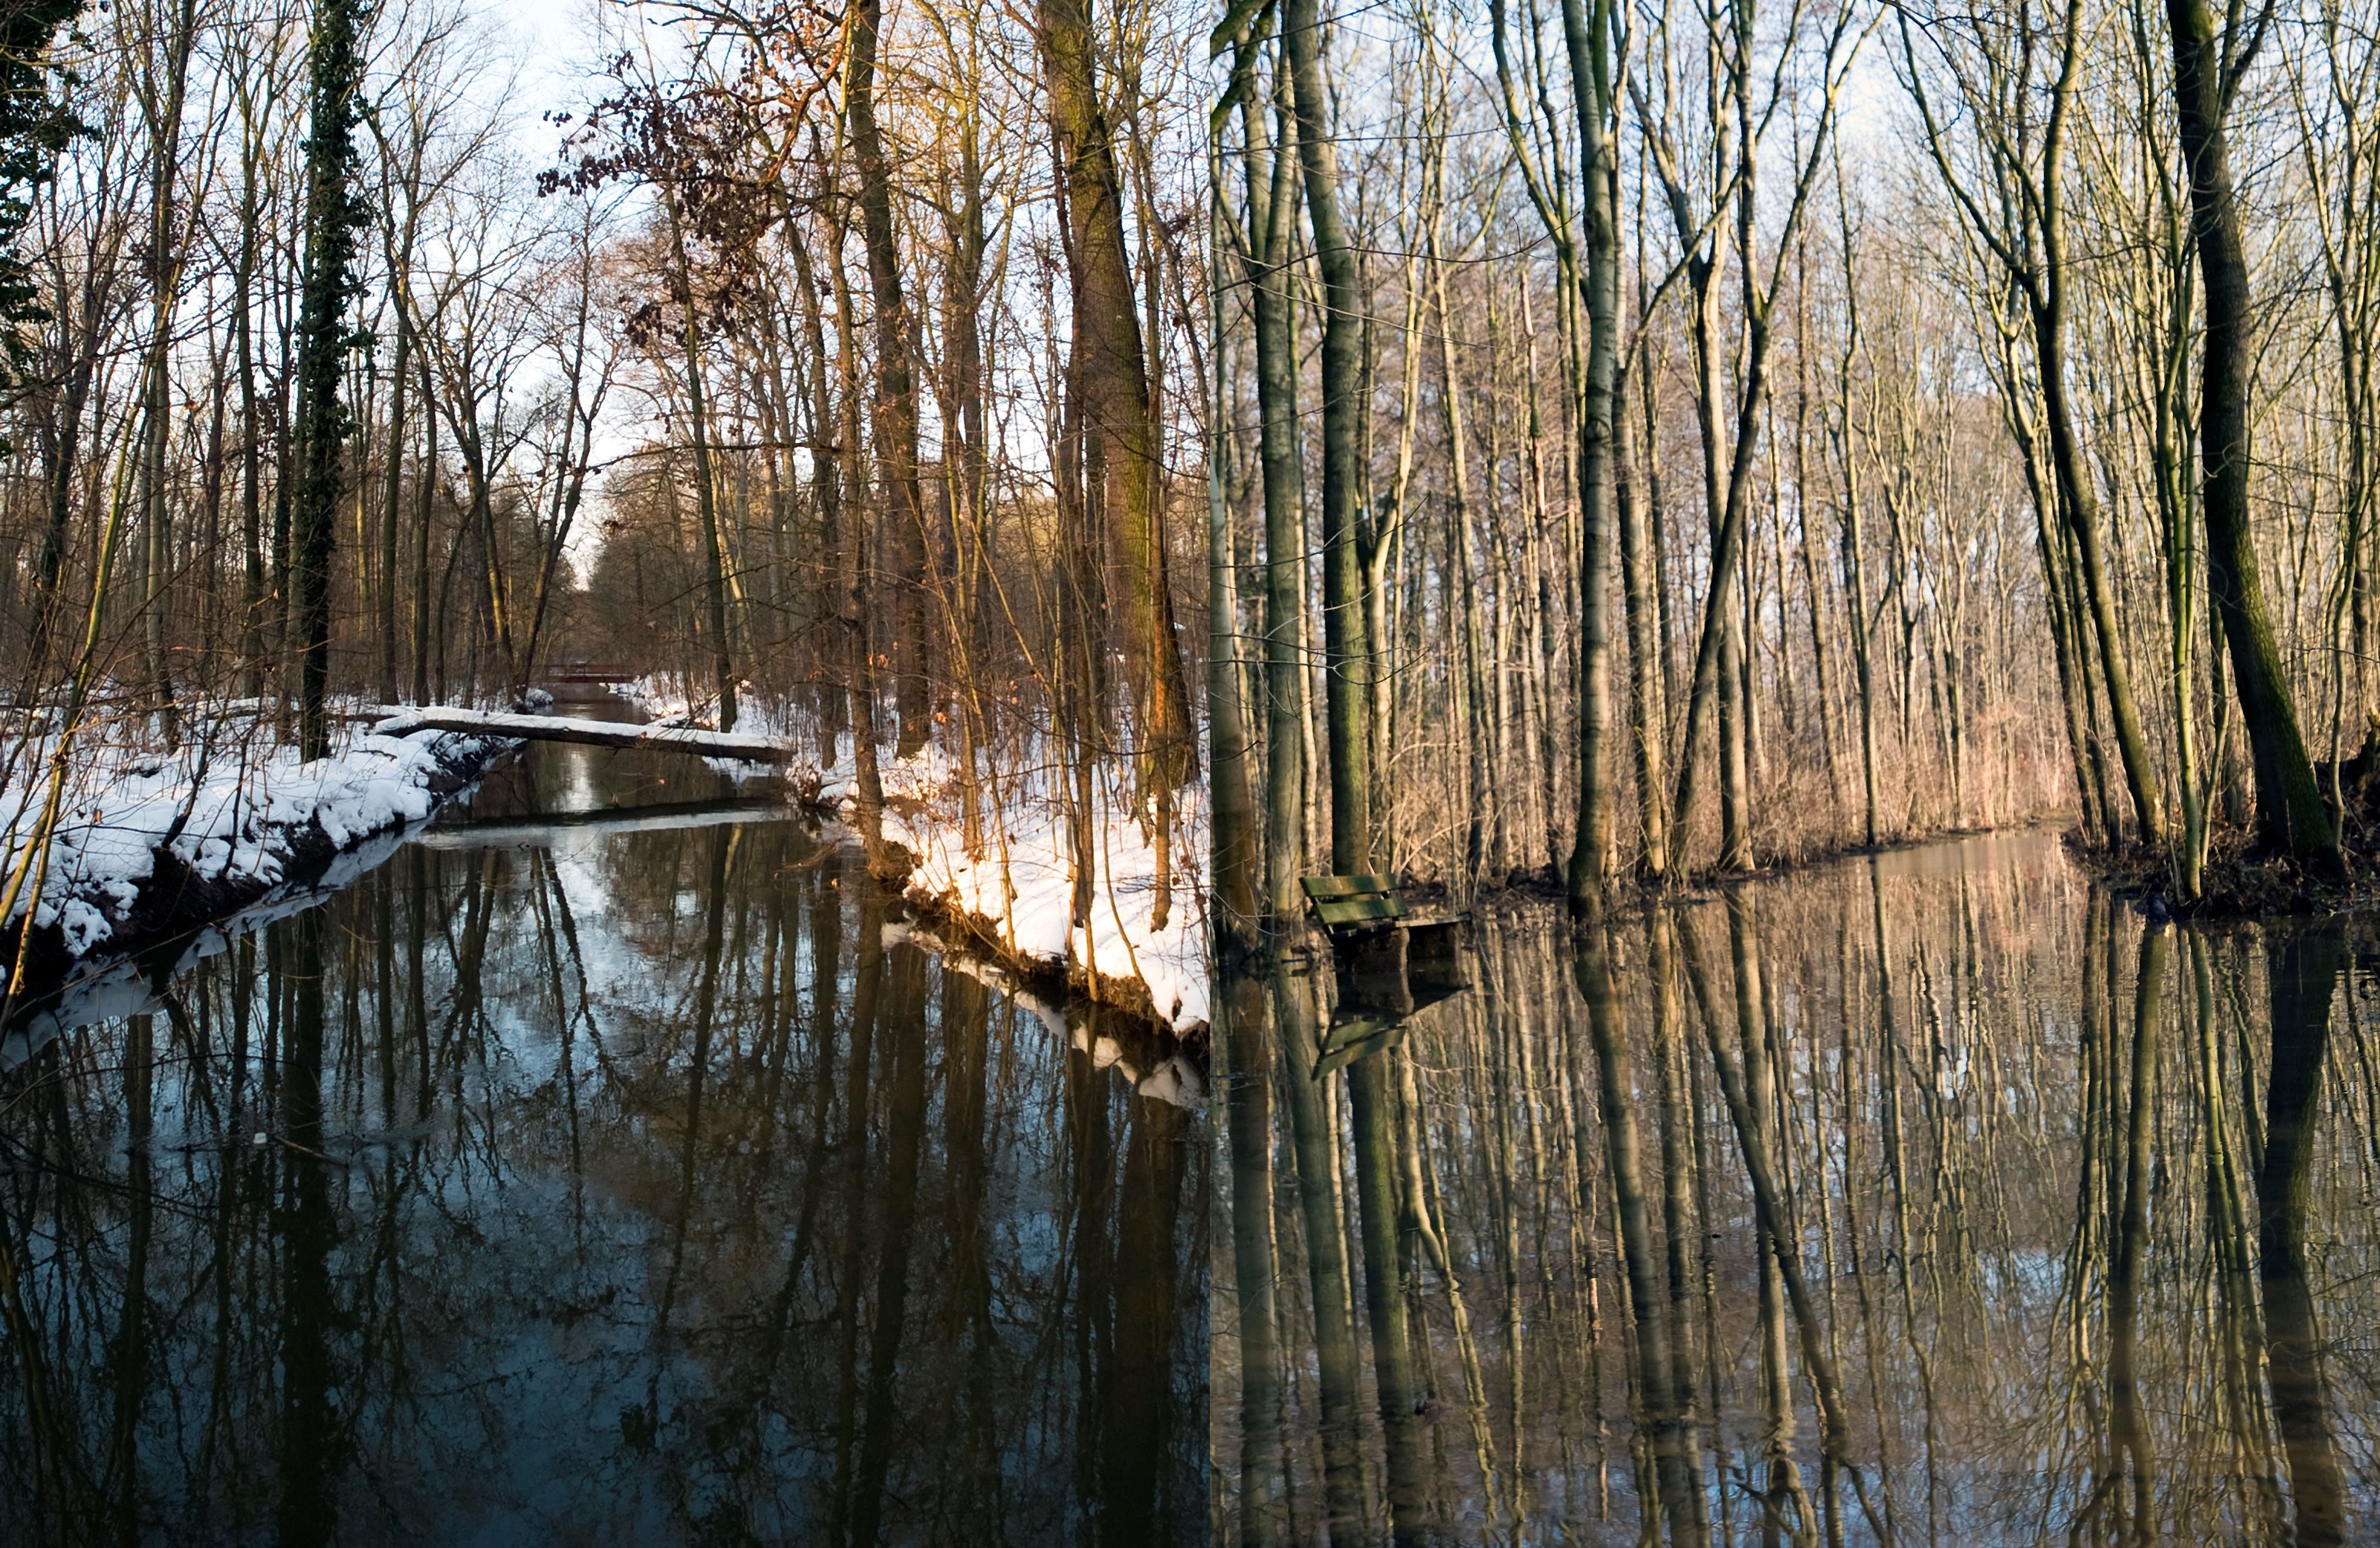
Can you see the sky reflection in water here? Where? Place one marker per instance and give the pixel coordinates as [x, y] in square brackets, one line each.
[616, 1183]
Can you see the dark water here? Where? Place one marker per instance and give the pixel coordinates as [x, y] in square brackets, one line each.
[583, 1176]
[1931, 1199]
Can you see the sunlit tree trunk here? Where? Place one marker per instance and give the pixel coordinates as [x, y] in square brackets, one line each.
[1587, 34]
[1235, 862]
[1647, 718]
[901, 515]
[706, 480]
[1847, 455]
[1268, 169]
[1347, 654]
[1121, 458]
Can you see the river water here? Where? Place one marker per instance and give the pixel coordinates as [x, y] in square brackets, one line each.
[611, 1164]
[1931, 1197]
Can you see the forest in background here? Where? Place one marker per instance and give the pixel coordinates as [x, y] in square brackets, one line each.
[1743, 432]
[834, 363]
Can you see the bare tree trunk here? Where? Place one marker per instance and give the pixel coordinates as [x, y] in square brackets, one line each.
[1347, 653]
[425, 513]
[1646, 719]
[1122, 455]
[2079, 501]
[398, 381]
[903, 527]
[856, 584]
[1270, 173]
[1854, 542]
[1236, 864]
[162, 103]
[1481, 786]
[1596, 99]
[2291, 815]
[706, 482]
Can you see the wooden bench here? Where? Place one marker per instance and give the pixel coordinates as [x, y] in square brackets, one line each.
[1391, 962]
[1358, 1036]
[1349, 908]
[1355, 908]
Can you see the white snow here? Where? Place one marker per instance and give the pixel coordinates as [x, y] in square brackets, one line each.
[1176, 1080]
[231, 803]
[1019, 879]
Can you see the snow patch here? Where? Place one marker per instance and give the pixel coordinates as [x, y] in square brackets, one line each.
[1017, 878]
[233, 805]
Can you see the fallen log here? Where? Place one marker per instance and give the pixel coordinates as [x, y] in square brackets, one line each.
[403, 720]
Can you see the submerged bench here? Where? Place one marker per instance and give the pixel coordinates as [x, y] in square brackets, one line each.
[1392, 961]
[1354, 907]
[1349, 908]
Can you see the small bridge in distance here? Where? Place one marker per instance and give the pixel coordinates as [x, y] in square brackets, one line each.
[593, 673]
[403, 720]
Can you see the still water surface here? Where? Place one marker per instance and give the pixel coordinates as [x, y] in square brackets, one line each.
[583, 1175]
[1925, 1199]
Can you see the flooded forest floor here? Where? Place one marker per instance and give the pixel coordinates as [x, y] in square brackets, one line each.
[1934, 1196]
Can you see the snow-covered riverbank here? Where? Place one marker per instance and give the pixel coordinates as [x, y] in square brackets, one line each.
[1015, 891]
[1012, 890]
[149, 845]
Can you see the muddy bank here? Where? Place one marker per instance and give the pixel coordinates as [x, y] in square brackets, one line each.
[2239, 882]
[1530, 892]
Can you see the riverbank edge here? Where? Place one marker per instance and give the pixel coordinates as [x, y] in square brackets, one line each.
[828, 796]
[1527, 892]
[981, 937]
[173, 902]
[2239, 885]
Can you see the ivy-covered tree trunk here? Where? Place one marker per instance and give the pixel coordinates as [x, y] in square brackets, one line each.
[333, 216]
[2291, 815]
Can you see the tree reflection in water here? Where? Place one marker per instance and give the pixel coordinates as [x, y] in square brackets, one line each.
[652, 1187]
[1926, 1199]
